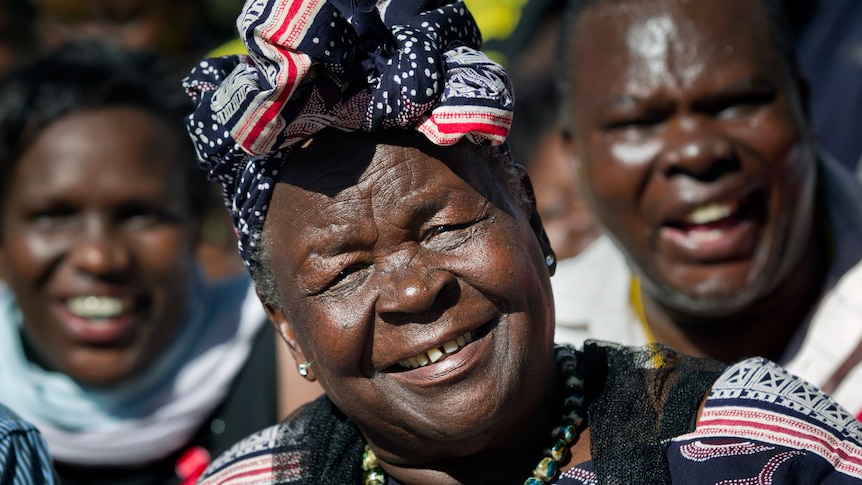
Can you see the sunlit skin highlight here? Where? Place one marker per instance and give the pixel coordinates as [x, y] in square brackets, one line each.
[696, 109]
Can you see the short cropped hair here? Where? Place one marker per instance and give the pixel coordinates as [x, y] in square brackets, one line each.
[781, 33]
[86, 76]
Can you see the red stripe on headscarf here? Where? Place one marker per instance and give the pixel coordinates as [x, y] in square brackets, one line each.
[287, 54]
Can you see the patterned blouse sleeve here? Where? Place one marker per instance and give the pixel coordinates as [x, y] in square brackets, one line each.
[762, 424]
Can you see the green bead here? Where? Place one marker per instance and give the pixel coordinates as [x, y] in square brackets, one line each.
[558, 450]
[533, 481]
[546, 469]
[369, 460]
[566, 433]
[375, 477]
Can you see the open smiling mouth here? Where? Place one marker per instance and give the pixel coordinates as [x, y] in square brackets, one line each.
[98, 308]
[437, 354]
[708, 222]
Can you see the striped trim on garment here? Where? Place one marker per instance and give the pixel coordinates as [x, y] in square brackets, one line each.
[759, 400]
[24, 458]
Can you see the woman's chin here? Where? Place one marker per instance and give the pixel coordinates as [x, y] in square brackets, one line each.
[101, 367]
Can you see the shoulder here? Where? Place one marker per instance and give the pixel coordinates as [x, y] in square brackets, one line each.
[758, 408]
[291, 452]
[249, 461]
[762, 387]
[23, 453]
[11, 424]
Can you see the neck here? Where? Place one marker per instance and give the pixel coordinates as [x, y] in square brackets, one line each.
[764, 329]
[512, 461]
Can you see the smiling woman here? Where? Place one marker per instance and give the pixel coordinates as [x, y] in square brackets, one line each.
[398, 250]
[111, 341]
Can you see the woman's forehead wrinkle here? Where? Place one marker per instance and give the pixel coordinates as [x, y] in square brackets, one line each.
[327, 178]
[391, 176]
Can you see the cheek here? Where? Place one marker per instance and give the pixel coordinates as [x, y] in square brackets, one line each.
[775, 136]
[332, 333]
[632, 154]
[615, 166]
[26, 257]
[784, 156]
[508, 266]
[613, 189]
[792, 203]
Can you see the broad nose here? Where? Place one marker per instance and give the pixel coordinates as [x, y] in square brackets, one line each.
[100, 250]
[413, 291]
[696, 149]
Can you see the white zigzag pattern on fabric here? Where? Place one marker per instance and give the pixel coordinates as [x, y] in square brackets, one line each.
[699, 451]
[817, 424]
[759, 380]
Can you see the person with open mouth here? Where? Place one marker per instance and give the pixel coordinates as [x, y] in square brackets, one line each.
[133, 366]
[742, 237]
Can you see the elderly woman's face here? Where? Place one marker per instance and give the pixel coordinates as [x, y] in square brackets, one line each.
[97, 242]
[418, 290]
[693, 146]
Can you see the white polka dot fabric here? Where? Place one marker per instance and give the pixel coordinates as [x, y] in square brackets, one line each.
[350, 64]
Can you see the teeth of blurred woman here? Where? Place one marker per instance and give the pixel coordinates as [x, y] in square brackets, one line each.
[437, 353]
[98, 307]
[700, 237]
[710, 213]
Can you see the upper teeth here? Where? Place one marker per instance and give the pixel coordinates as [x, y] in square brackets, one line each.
[710, 213]
[433, 355]
[95, 306]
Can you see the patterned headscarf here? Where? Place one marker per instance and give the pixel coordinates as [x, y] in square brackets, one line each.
[349, 64]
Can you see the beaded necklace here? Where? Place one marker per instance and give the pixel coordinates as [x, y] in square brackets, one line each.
[562, 435]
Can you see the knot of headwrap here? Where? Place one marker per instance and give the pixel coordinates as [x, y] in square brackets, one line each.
[349, 64]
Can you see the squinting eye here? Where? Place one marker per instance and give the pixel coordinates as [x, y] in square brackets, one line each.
[347, 272]
[345, 276]
[744, 103]
[451, 227]
[633, 123]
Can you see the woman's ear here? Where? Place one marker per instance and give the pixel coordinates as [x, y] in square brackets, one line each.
[282, 326]
[536, 221]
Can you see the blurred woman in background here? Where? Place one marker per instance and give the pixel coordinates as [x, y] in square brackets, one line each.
[133, 366]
